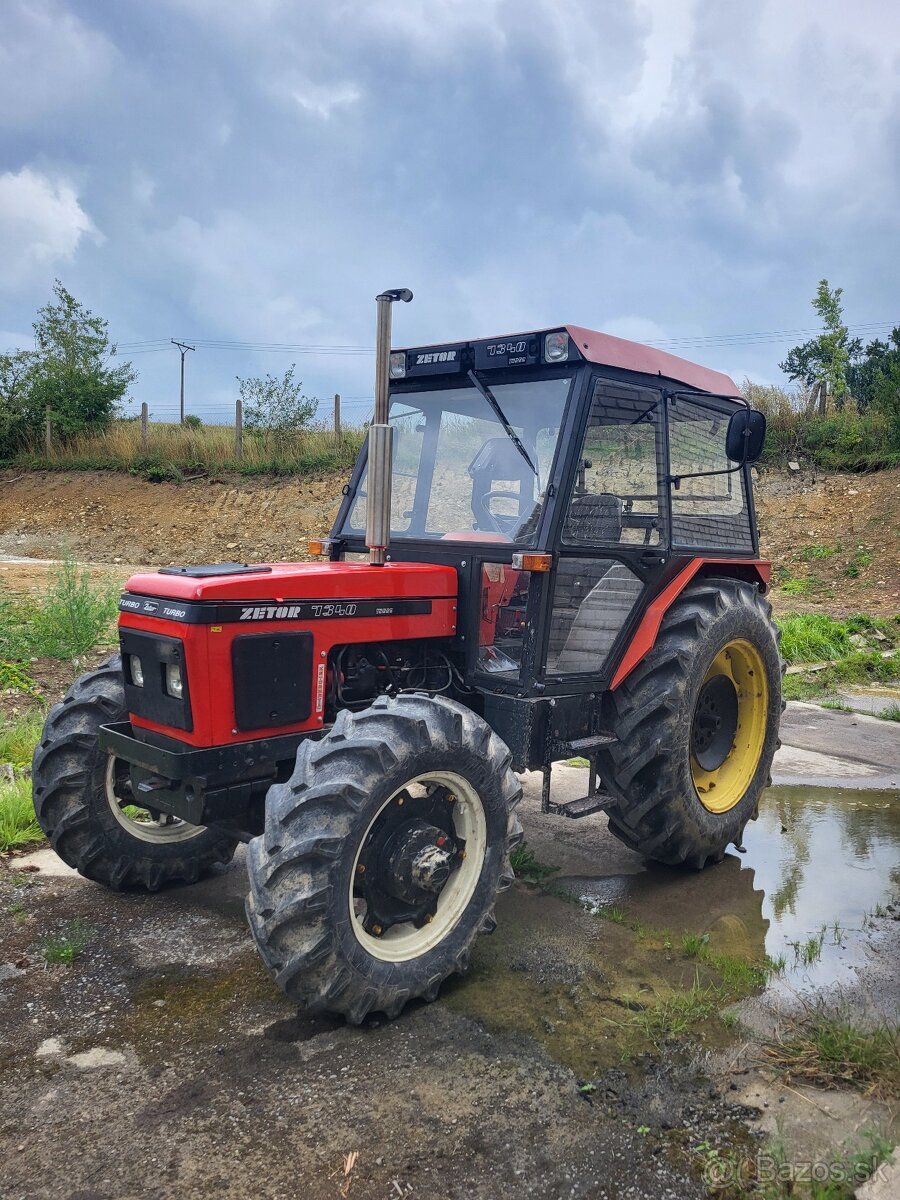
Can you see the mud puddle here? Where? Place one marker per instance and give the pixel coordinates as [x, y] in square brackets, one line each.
[602, 982]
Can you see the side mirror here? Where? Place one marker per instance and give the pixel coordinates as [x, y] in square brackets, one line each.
[745, 436]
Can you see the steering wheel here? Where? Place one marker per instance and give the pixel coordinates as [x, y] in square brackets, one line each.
[505, 523]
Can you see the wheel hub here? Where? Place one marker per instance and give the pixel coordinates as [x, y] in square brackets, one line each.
[715, 722]
[420, 860]
[407, 860]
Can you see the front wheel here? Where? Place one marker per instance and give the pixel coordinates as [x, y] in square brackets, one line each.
[383, 855]
[696, 726]
[85, 805]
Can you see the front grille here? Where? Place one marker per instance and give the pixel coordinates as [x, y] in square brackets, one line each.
[151, 701]
[272, 679]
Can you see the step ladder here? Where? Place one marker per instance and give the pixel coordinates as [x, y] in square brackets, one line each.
[596, 799]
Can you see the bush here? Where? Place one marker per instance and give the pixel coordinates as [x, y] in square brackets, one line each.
[843, 440]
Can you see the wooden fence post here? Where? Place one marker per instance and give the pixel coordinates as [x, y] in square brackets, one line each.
[238, 429]
[48, 435]
[144, 415]
[337, 420]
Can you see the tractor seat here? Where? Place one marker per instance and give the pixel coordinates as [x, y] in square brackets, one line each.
[594, 517]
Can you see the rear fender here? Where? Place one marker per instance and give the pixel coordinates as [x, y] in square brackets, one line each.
[754, 571]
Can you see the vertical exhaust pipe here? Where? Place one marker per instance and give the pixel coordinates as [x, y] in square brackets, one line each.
[378, 505]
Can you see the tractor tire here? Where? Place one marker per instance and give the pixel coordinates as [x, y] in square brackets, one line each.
[340, 906]
[696, 725]
[82, 797]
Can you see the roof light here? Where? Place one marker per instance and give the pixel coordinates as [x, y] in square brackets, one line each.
[556, 347]
[532, 562]
[398, 364]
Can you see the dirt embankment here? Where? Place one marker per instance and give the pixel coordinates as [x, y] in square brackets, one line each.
[105, 517]
[835, 537]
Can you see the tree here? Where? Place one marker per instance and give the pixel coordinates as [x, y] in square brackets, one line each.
[16, 416]
[72, 376]
[276, 404]
[823, 363]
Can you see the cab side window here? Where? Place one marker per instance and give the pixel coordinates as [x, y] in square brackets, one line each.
[708, 511]
[615, 498]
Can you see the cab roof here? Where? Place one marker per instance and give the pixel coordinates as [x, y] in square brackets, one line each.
[609, 351]
[527, 350]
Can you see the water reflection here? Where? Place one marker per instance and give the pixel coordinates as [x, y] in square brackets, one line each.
[815, 858]
[824, 858]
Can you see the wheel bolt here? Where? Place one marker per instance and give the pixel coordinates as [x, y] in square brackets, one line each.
[400, 800]
[377, 930]
[361, 869]
[451, 799]
[441, 840]
[462, 854]
[429, 918]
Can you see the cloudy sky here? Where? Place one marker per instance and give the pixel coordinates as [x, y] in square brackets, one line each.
[251, 172]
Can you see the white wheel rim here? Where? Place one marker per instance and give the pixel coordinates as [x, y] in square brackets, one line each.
[403, 942]
[144, 827]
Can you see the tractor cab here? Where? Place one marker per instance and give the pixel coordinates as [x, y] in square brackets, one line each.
[568, 476]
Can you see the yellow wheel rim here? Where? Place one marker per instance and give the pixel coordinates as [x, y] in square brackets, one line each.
[728, 730]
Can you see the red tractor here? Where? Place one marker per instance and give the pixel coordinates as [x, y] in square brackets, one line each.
[547, 549]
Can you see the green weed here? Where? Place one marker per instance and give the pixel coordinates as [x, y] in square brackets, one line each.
[862, 558]
[796, 587]
[526, 866]
[74, 613]
[811, 553]
[18, 824]
[610, 912]
[891, 712]
[677, 1013]
[837, 705]
[808, 952]
[67, 945]
[19, 738]
[829, 1050]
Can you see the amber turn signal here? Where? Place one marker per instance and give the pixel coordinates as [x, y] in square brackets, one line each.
[532, 562]
[318, 546]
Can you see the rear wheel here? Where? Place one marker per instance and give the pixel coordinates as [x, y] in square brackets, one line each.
[383, 855]
[697, 726]
[85, 805]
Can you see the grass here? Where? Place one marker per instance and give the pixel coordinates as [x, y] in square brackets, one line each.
[677, 1013]
[837, 705]
[891, 712]
[815, 637]
[829, 1050]
[739, 976]
[19, 738]
[67, 945]
[175, 451]
[862, 558]
[72, 616]
[796, 587]
[526, 866]
[809, 951]
[811, 553]
[18, 825]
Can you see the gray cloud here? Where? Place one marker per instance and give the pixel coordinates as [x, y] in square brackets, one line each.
[259, 171]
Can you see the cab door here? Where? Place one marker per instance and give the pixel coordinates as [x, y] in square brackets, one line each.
[612, 530]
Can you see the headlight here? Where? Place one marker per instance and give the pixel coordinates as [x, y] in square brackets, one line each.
[174, 684]
[398, 364]
[556, 347]
[137, 671]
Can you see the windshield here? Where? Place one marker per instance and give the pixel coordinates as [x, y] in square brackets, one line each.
[456, 471]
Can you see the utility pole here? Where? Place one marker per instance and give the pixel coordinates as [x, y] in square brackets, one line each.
[183, 347]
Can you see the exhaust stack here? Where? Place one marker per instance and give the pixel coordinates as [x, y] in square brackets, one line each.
[378, 505]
